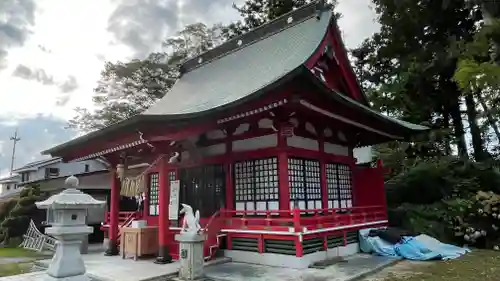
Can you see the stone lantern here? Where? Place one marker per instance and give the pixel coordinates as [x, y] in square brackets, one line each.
[69, 210]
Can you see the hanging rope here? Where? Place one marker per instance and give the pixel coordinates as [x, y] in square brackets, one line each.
[132, 186]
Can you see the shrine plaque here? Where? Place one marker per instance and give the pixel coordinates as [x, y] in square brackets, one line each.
[173, 206]
[287, 130]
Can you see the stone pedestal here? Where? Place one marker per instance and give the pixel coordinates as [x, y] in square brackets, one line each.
[84, 246]
[191, 255]
[69, 227]
[67, 263]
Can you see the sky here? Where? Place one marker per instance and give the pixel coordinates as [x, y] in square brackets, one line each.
[52, 53]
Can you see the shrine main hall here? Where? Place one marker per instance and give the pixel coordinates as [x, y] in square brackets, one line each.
[258, 135]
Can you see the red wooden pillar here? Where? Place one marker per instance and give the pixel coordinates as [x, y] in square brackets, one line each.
[322, 163]
[163, 222]
[114, 214]
[284, 185]
[229, 171]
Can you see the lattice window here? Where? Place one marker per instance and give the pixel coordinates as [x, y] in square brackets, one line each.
[304, 177]
[154, 202]
[256, 184]
[172, 176]
[339, 183]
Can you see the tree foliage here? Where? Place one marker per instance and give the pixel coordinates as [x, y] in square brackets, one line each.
[435, 62]
[408, 66]
[437, 196]
[17, 221]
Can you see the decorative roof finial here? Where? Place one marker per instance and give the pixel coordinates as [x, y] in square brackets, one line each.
[71, 182]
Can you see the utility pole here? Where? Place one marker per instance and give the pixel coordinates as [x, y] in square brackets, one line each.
[15, 139]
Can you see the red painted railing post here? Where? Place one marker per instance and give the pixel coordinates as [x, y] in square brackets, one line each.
[260, 244]
[296, 219]
[318, 218]
[268, 218]
[244, 220]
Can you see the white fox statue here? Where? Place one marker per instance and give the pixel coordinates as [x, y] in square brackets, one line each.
[191, 221]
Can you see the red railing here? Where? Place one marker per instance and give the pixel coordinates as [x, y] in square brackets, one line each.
[122, 217]
[212, 230]
[124, 220]
[131, 216]
[281, 220]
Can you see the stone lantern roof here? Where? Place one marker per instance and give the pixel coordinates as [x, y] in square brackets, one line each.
[71, 198]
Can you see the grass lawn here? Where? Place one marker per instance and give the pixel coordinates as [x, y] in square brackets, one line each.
[8, 268]
[479, 265]
[18, 253]
[14, 269]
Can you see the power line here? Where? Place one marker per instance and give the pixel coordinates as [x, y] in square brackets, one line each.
[15, 139]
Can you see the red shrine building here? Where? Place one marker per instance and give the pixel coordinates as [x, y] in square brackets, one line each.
[258, 135]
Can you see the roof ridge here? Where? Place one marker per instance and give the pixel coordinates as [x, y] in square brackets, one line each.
[255, 35]
[37, 163]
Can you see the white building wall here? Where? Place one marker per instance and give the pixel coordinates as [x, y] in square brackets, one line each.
[3, 188]
[67, 169]
[8, 184]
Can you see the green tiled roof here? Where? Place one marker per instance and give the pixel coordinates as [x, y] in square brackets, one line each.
[246, 70]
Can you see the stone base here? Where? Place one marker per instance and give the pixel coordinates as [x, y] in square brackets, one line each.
[112, 249]
[191, 256]
[289, 261]
[163, 256]
[72, 278]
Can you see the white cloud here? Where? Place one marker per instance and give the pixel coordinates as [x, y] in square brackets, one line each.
[74, 32]
[9, 123]
[358, 21]
[4, 173]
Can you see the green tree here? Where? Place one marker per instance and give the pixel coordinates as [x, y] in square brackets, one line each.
[17, 221]
[128, 88]
[478, 71]
[408, 68]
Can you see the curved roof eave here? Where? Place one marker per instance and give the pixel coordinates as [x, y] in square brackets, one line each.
[140, 118]
[407, 126]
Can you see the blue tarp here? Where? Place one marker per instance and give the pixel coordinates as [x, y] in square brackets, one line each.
[422, 247]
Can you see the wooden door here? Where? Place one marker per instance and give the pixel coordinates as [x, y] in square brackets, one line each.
[203, 188]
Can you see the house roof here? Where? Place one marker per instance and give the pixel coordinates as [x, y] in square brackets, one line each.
[83, 174]
[34, 166]
[10, 179]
